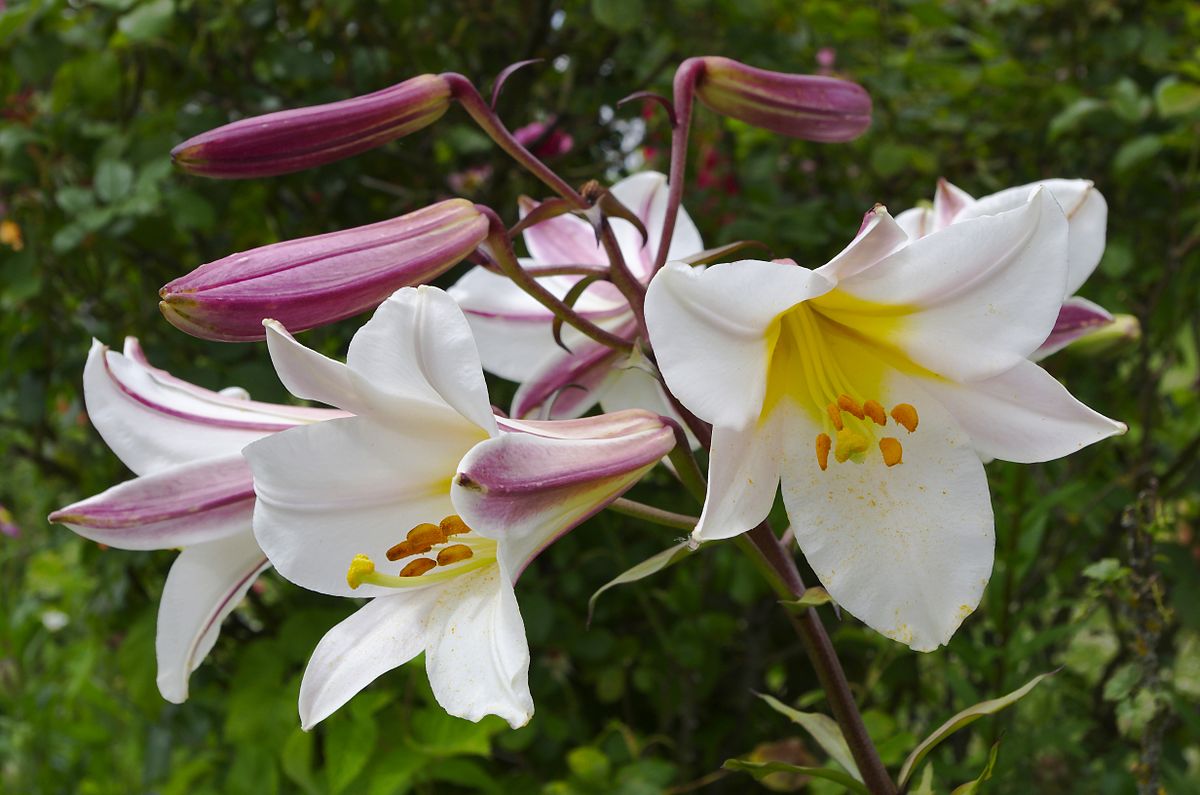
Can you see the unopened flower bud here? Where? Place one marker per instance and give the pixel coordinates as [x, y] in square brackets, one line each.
[316, 280]
[803, 106]
[293, 140]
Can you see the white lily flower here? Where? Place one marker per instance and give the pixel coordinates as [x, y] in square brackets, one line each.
[482, 495]
[1087, 218]
[513, 330]
[866, 386]
[193, 491]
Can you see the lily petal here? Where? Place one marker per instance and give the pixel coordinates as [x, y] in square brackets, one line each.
[561, 240]
[206, 583]
[526, 489]
[1077, 318]
[708, 327]
[383, 634]
[645, 194]
[1023, 415]
[743, 474]
[878, 236]
[568, 378]
[949, 200]
[1001, 276]
[906, 549]
[916, 222]
[192, 503]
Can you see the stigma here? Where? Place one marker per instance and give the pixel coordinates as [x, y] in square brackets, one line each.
[450, 559]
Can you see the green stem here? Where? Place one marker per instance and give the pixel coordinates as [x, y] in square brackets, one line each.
[649, 513]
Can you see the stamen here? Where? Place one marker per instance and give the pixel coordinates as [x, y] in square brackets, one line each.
[874, 410]
[849, 443]
[416, 567]
[892, 451]
[847, 403]
[453, 525]
[824, 444]
[360, 568]
[835, 414]
[453, 554]
[906, 415]
[426, 533]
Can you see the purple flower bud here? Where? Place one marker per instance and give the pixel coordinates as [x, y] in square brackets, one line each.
[803, 106]
[316, 280]
[293, 140]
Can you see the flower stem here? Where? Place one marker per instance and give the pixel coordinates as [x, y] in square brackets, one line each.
[685, 89]
[654, 515]
[622, 278]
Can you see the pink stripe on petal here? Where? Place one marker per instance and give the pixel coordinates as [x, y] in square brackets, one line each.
[1078, 317]
[561, 240]
[567, 382]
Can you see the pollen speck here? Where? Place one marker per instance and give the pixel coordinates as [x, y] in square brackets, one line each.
[906, 415]
[453, 554]
[874, 409]
[417, 567]
[892, 451]
[360, 568]
[824, 445]
[847, 403]
[835, 415]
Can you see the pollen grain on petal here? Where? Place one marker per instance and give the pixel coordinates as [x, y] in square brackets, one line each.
[417, 567]
[849, 404]
[892, 451]
[906, 415]
[874, 409]
[453, 554]
[835, 415]
[360, 568]
[824, 445]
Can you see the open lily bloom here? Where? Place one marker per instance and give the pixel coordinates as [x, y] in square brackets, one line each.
[514, 331]
[1087, 217]
[482, 496]
[193, 491]
[866, 386]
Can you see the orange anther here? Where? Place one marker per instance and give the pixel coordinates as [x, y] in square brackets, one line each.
[417, 567]
[835, 415]
[453, 554]
[874, 409]
[824, 445]
[453, 525]
[906, 415]
[847, 403]
[892, 451]
[407, 549]
[426, 533]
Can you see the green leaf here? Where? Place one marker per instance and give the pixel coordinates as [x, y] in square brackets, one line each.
[348, 747]
[972, 787]
[1133, 153]
[823, 729]
[1175, 98]
[812, 597]
[962, 719]
[1071, 116]
[113, 180]
[761, 770]
[621, 16]
[439, 734]
[925, 785]
[147, 21]
[651, 565]
[296, 758]
[589, 765]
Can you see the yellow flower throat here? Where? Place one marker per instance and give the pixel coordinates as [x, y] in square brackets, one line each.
[819, 362]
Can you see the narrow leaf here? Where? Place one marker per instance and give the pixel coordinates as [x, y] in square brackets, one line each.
[711, 255]
[761, 770]
[925, 785]
[506, 73]
[967, 716]
[538, 212]
[823, 729]
[971, 787]
[651, 565]
[814, 596]
[569, 299]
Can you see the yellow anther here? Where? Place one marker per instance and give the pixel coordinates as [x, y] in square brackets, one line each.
[453, 554]
[417, 567]
[360, 568]
[892, 451]
[454, 526]
[874, 409]
[824, 444]
[426, 533]
[835, 414]
[847, 403]
[849, 443]
[906, 415]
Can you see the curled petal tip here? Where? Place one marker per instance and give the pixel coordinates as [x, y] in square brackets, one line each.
[802, 106]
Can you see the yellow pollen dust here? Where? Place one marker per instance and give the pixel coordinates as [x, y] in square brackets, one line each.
[849, 443]
[874, 410]
[360, 568]
[892, 451]
[906, 415]
[824, 445]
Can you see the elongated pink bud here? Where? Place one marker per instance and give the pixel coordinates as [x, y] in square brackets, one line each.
[803, 106]
[293, 140]
[316, 280]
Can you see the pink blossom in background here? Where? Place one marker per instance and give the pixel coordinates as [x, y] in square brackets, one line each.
[556, 143]
[7, 526]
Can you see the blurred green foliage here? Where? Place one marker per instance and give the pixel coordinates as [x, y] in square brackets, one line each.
[1096, 555]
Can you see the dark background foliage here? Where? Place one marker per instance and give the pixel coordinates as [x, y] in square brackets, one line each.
[1097, 559]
